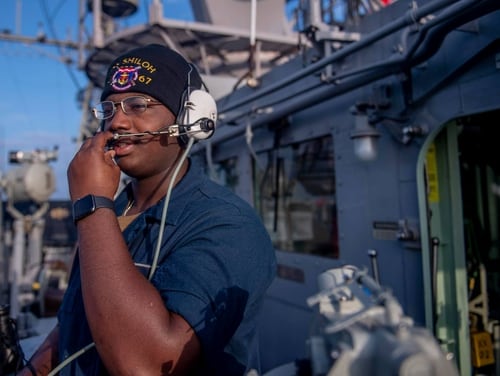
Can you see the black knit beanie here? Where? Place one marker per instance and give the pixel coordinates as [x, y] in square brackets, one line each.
[154, 70]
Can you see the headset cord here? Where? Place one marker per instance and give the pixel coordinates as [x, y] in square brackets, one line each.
[71, 358]
[165, 207]
[156, 254]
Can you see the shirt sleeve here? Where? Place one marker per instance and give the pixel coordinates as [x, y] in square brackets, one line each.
[217, 274]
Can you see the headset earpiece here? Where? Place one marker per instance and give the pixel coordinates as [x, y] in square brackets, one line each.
[198, 116]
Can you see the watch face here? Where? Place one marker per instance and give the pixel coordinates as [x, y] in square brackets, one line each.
[83, 207]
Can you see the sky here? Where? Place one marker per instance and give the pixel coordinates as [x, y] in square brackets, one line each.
[39, 108]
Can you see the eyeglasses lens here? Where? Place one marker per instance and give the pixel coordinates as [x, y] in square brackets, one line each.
[105, 110]
[130, 105]
[134, 105]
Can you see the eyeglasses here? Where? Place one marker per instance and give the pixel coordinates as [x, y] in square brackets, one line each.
[130, 106]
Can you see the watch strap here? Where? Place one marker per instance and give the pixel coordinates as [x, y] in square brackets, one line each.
[87, 205]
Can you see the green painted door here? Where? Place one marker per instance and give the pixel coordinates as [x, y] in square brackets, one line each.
[459, 201]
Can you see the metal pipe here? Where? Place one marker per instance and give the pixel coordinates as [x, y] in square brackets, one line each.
[411, 17]
[98, 37]
[16, 266]
[81, 34]
[323, 93]
[253, 21]
[34, 250]
[298, 103]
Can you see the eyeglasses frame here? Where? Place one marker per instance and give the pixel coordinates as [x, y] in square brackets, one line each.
[149, 102]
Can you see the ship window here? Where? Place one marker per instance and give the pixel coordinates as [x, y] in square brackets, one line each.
[295, 196]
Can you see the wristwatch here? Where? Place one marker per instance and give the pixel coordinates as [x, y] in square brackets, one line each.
[86, 205]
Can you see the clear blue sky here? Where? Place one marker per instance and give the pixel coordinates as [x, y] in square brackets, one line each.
[38, 92]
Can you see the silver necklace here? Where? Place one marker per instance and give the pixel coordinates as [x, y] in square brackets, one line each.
[129, 206]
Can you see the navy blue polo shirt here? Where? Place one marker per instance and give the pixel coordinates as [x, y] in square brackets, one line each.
[215, 263]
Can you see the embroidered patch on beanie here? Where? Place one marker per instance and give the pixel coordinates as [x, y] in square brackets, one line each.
[124, 78]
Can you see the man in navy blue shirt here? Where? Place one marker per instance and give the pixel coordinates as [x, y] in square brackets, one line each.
[169, 277]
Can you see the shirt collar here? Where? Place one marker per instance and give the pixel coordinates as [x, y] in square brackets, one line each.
[179, 198]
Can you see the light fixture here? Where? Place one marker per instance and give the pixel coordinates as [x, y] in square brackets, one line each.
[364, 138]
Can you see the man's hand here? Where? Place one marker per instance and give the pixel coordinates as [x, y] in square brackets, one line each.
[93, 169]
